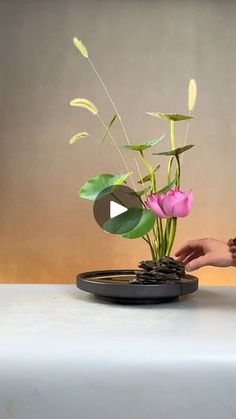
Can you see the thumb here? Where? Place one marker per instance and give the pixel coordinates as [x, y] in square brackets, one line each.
[197, 263]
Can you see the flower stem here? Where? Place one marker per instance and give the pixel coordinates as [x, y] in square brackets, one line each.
[169, 176]
[185, 137]
[153, 252]
[161, 244]
[178, 172]
[116, 110]
[117, 148]
[170, 228]
[157, 233]
[153, 246]
[172, 134]
[147, 238]
[151, 171]
[173, 147]
[167, 233]
[173, 224]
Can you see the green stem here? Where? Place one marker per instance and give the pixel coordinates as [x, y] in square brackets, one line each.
[157, 233]
[151, 172]
[155, 239]
[162, 248]
[147, 239]
[172, 134]
[150, 242]
[173, 147]
[158, 229]
[165, 237]
[178, 172]
[116, 110]
[153, 253]
[117, 148]
[173, 224]
[185, 137]
[169, 176]
[167, 233]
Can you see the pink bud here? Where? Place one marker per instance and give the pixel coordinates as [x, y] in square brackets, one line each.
[174, 203]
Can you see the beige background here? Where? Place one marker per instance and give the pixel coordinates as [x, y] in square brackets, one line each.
[146, 51]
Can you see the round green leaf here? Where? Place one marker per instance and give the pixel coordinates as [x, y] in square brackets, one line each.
[174, 152]
[136, 147]
[145, 224]
[102, 185]
[170, 116]
[145, 146]
[124, 222]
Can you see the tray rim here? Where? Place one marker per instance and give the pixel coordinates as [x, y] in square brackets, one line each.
[140, 291]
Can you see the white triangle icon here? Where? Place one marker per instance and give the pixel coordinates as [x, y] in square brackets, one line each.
[116, 209]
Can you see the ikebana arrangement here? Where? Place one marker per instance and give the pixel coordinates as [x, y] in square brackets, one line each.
[155, 221]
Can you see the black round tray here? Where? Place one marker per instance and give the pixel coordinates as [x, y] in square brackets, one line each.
[113, 285]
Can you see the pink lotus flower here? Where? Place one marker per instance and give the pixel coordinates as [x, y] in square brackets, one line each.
[174, 203]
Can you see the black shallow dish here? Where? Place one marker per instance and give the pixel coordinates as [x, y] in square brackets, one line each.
[114, 286]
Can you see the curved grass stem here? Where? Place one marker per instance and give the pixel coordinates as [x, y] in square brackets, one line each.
[116, 110]
[185, 137]
[117, 148]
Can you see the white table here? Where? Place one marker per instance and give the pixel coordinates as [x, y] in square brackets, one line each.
[65, 355]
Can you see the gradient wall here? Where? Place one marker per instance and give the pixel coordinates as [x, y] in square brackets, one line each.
[146, 51]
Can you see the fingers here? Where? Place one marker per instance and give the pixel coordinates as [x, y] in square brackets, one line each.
[191, 256]
[197, 263]
[184, 257]
[189, 247]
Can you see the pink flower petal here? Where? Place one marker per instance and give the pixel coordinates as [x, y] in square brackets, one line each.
[179, 194]
[168, 204]
[153, 204]
[175, 203]
[190, 197]
[184, 206]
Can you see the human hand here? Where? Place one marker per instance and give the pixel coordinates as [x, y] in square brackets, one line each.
[204, 252]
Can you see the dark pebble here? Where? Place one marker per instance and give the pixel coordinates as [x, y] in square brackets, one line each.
[164, 271]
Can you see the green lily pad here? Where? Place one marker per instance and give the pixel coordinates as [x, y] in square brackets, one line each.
[102, 185]
[124, 222]
[174, 152]
[145, 224]
[170, 116]
[145, 146]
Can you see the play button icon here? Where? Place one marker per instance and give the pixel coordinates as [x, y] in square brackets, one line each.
[115, 203]
[116, 209]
